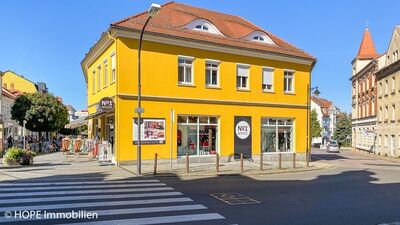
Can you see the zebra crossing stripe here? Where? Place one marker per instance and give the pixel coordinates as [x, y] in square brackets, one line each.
[125, 211]
[101, 203]
[79, 187]
[46, 193]
[158, 220]
[16, 184]
[87, 197]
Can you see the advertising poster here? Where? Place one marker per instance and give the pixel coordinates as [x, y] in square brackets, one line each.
[242, 136]
[152, 131]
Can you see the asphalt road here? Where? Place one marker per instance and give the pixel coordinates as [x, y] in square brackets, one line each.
[359, 190]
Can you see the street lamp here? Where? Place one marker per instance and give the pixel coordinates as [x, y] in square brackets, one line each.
[315, 93]
[153, 10]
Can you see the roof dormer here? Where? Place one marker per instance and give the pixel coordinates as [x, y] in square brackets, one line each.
[260, 37]
[204, 26]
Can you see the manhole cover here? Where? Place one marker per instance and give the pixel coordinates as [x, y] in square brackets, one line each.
[234, 198]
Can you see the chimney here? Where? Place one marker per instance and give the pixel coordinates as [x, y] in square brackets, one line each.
[12, 87]
[5, 85]
[59, 99]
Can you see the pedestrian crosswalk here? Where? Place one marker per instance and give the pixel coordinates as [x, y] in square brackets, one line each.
[70, 201]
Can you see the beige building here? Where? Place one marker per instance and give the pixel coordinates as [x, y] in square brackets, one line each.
[364, 67]
[388, 79]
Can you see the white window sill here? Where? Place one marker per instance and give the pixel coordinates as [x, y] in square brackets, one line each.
[213, 87]
[243, 89]
[289, 93]
[186, 85]
[268, 91]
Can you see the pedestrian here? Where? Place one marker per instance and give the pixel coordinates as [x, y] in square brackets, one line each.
[10, 141]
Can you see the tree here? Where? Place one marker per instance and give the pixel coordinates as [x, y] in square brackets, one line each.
[18, 110]
[41, 111]
[343, 130]
[315, 125]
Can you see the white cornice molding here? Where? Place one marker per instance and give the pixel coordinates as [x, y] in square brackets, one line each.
[211, 101]
[160, 38]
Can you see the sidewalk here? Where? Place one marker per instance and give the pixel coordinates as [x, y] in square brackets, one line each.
[376, 156]
[228, 168]
[49, 166]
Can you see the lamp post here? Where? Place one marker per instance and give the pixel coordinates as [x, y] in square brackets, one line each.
[316, 93]
[153, 10]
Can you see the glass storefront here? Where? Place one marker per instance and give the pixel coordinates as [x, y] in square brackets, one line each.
[277, 135]
[197, 135]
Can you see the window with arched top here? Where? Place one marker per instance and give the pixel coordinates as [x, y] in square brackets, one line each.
[203, 25]
[259, 36]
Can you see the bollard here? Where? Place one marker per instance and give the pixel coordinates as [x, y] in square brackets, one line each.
[294, 160]
[155, 164]
[217, 162]
[261, 161]
[241, 162]
[187, 162]
[280, 160]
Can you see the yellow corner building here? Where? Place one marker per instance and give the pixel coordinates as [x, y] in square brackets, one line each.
[211, 83]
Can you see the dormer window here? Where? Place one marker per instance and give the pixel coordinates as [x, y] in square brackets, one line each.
[260, 36]
[203, 25]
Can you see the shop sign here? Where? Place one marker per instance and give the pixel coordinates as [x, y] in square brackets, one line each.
[152, 131]
[242, 136]
[106, 104]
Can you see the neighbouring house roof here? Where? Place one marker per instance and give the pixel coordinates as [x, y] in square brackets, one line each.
[70, 108]
[323, 103]
[7, 93]
[367, 48]
[173, 18]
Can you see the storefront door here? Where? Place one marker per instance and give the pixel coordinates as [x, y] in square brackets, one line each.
[242, 136]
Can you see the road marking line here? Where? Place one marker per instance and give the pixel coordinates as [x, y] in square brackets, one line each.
[16, 184]
[46, 193]
[111, 212]
[95, 204]
[86, 197]
[79, 187]
[158, 220]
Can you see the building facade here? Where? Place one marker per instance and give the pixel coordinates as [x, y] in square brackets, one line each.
[326, 115]
[211, 83]
[388, 99]
[364, 92]
[15, 82]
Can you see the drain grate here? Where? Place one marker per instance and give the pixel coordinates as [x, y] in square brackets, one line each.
[234, 198]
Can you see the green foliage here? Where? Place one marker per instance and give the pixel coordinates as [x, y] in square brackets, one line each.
[18, 155]
[343, 130]
[18, 111]
[42, 112]
[316, 128]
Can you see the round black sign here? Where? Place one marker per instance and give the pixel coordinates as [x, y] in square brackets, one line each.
[106, 104]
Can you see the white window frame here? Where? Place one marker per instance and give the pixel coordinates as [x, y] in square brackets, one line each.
[292, 78]
[105, 73]
[113, 67]
[244, 66]
[93, 81]
[184, 65]
[211, 69]
[272, 70]
[99, 77]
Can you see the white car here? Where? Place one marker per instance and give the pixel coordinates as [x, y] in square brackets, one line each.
[332, 147]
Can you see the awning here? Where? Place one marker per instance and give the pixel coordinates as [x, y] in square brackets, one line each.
[77, 123]
[96, 114]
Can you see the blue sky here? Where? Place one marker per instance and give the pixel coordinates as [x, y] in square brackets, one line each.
[46, 40]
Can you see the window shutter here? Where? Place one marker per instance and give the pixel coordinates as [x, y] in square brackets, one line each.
[243, 71]
[267, 76]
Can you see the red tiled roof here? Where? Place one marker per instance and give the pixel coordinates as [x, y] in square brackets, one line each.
[7, 93]
[367, 48]
[323, 103]
[173, 17]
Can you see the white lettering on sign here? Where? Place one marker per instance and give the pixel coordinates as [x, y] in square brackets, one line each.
[242, 130]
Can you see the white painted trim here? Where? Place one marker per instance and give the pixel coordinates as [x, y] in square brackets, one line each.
[213, 61]
[186, 57]
[211, 27]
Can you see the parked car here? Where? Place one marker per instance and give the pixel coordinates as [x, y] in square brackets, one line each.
[332, 147]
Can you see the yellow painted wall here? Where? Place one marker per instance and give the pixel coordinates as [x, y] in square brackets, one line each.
[19, 82]
[160, 78]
